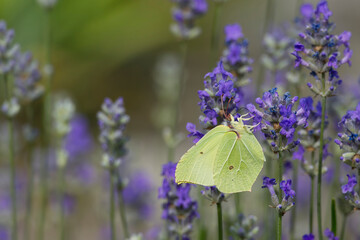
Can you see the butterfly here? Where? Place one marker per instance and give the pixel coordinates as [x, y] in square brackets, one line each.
[228, 157]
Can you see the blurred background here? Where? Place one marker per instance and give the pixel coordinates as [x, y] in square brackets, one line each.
[110, 48]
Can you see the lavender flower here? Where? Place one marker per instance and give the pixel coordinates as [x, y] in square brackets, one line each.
[308, 237]
[27, 77]
[10, 108]
[185, 13]
[8, 49]
[236, 55]
[330, 235]
[218, 99]
[112, 122]
[137, 194]
[63, 112]
[214, 195]
[288, 194]
[179, 210]
[310, 136]
[349, 139]
[245, 227]
[78, 141]
[349, 192]
[4, 233]
[277, 47]
[319, 49]
[277, 119]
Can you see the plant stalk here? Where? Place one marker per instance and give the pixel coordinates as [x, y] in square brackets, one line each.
[14, 231]
[47, 128]
[311, 213]
[62, 202]
[279, 228]
[171, 146]
[323, 113]
[30, 175]
[220, 223]
[123, 215]
[293, 215]
[343, 227]
[269, 21]
[112, 206]
[215, 33]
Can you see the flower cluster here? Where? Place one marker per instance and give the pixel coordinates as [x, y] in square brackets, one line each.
[330, 235]
[179, 209]
[349, 139]
[22, 68]
[288, 194]
[245, 227]
[277, 46]
[349, 192]
[219, 98]
[112, 121]
[63, 112]
[137, 194]
[236, 55]
[27, 77]
[310, 136]
[319, 49]
[278, 120]
[213, 194]
[8, 49]
[185, 13]
[308, 237]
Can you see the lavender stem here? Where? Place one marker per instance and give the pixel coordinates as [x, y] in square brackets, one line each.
[30, 175]
[220, 223]
[12, 165]
[323, 112]
[47, 129]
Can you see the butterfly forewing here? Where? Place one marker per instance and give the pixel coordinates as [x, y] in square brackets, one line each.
[196, 165]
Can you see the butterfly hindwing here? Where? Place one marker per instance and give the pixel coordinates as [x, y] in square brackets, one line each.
[196, 165]
[238, 162]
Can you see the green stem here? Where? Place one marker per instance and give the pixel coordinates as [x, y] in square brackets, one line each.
[281, 164]
[123, 215]
[215, 33]
[269, 21]
[220, 223]
[343, 227]
[112, 206]
[279, 228]
[333, 217]
[61, 202]
[359, 181]
[293, 215]
[177, 102]
[323, 113]
[311, 213]
[30, 175]
[237, 202]
[47, 128]
[312, 191]
[14, 230]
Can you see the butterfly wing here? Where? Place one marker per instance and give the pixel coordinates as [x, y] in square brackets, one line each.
[238, 162]
[196, 165]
